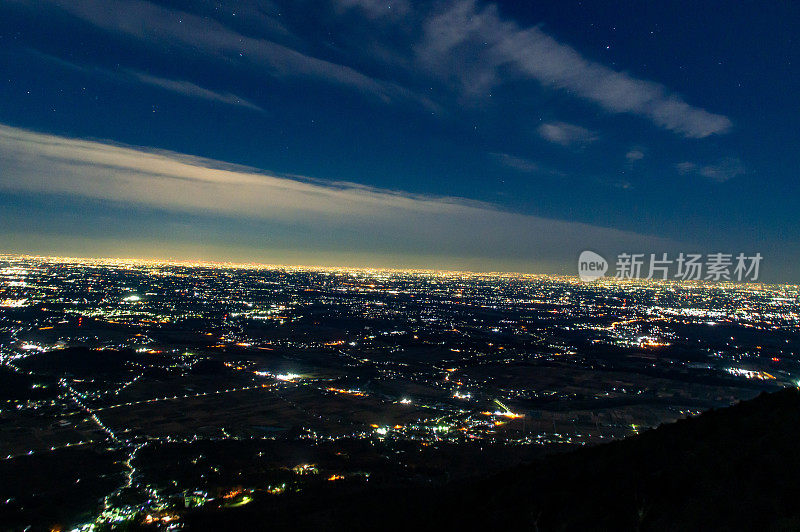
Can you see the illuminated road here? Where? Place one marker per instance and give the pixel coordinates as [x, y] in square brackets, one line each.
[186, 396]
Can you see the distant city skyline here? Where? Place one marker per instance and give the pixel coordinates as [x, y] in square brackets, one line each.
[459, 135]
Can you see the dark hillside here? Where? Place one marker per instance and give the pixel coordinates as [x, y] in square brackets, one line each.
[735, 468]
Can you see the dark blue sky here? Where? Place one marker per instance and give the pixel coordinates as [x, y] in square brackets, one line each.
[662, 125]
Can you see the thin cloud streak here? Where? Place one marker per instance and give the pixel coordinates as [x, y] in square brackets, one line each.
[517, 163]
[723, 170]
[565, 134]
[634, 155]
[188, 88]
[184, 87]
[376, 8]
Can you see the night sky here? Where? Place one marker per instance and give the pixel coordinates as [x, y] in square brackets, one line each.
[471, 135]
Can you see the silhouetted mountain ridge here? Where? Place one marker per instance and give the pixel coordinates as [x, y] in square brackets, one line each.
[735, 468]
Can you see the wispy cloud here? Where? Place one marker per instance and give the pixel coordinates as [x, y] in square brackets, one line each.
[376, 8]
[477, 48]
[360, 217]
[566, 134]
[723, 170]
[188, 88]
[634, 155]
[517, 163]
[178, 31]
[460, 42]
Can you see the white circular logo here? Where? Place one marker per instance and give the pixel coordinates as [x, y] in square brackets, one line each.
[591, 266]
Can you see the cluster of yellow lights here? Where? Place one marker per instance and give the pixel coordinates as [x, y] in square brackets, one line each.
[14, 303]
[150, 519]
[649, 342]
[347, 392]
[370, 271]
[509, 415]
